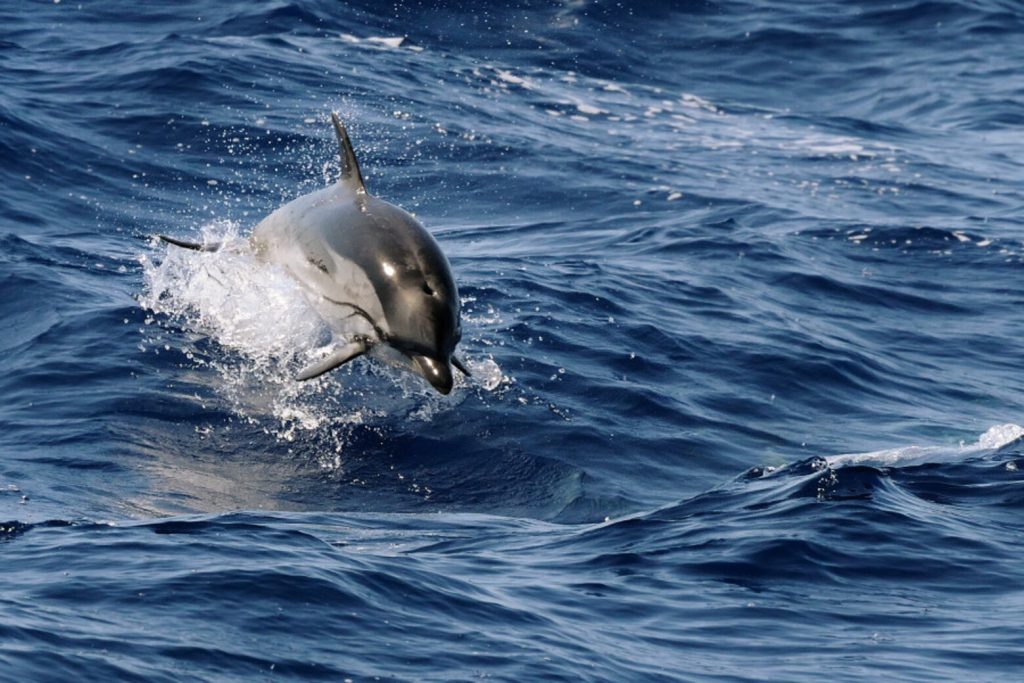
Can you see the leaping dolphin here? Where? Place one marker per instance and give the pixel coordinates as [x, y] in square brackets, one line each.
[372, 271]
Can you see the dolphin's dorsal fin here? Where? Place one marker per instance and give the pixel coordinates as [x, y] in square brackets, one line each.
[350, 174]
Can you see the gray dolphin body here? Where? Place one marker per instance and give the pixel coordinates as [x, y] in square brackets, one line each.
[374, 273]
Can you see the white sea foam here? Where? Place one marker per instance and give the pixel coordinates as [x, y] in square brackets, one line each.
[391, 42]
[697, 102]
[589, 109]
[509, 77]
[995, 438]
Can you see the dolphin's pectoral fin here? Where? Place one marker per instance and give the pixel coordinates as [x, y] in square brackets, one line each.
[339, 356]
[461, 366]
[194, 246]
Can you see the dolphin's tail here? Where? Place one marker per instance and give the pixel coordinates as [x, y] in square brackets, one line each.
[194, 246]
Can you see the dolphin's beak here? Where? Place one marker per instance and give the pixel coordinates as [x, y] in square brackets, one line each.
[437, 372]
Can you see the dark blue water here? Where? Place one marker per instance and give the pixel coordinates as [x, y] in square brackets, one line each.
[704, 251]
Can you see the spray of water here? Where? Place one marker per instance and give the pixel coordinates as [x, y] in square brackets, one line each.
[265, 329]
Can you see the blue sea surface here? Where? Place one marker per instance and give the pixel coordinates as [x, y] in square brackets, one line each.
[743, 297]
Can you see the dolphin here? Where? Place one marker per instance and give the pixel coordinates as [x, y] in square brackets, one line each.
[372, 271]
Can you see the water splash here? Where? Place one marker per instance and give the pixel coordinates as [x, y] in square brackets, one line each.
[266, 329]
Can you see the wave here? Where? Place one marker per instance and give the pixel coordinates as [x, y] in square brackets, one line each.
[820, 544]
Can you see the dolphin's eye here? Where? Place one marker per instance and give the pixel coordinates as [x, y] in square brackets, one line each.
[427, 290]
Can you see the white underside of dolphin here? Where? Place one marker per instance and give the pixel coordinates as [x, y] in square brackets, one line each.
[373, 273]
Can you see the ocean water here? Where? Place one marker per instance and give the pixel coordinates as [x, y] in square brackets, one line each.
[743, 286]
